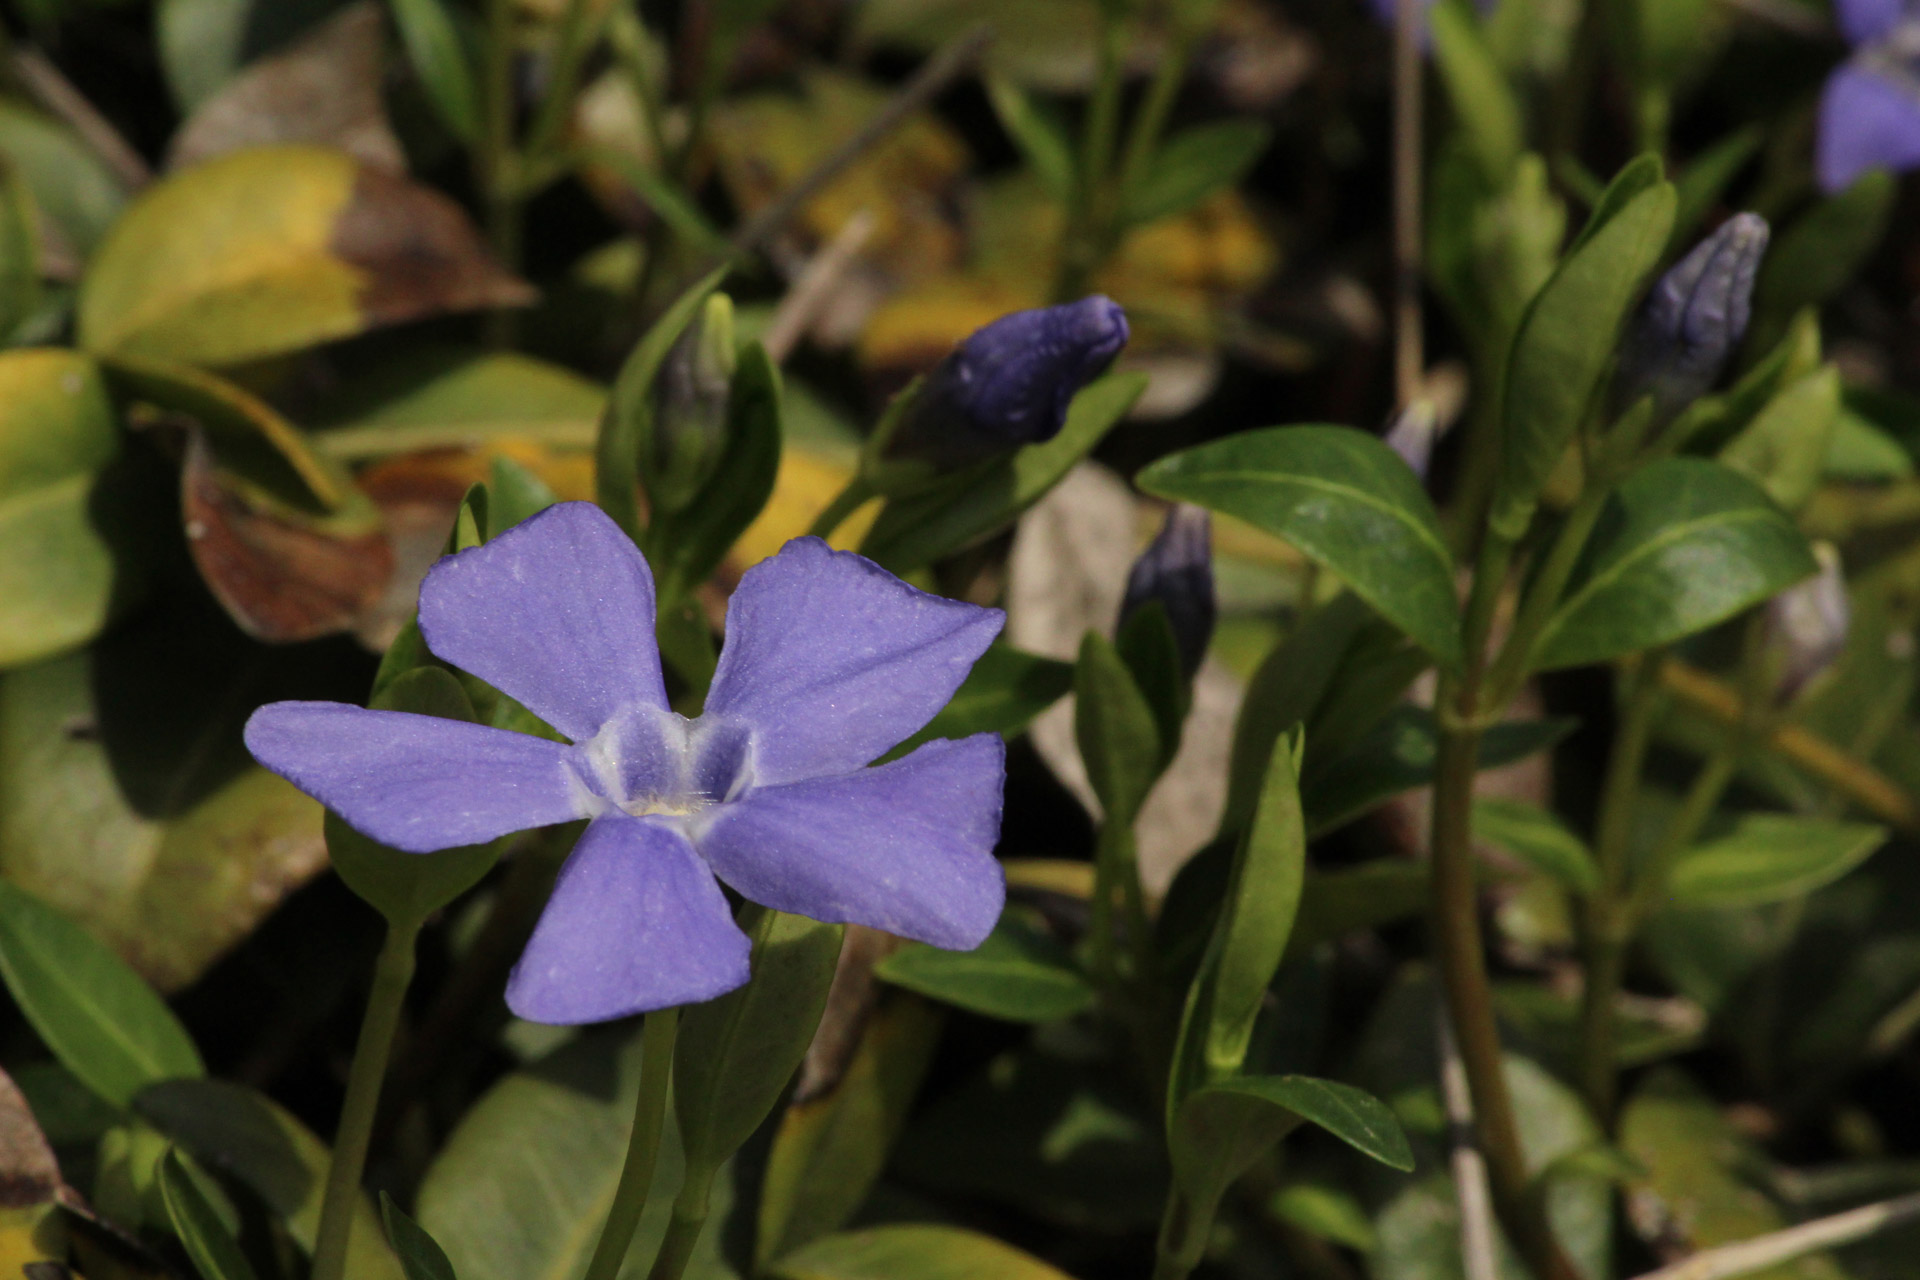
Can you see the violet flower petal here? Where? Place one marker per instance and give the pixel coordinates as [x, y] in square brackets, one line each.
[1863, 20]
[418, 783]
[1866, 122]
[830, 660]
[636, 922]
[906, 846]
[556, 612]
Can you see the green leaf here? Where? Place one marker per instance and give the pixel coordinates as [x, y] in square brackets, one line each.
[1345, 500]
[248, 1136]
[1684, 544]
[1249, 936]
[1770, 858]
[1040, 137]
[911, 1253]
[1151, 653]
[452, 398]
[268, 250]
[20, 293]
[1482, 100]
[440, 61]
[407, 888]
[1325, 1211]
[914, 531]
[77, 194]
[514, 494]
[57, 570]
[102, 1022]
[422, 1258]
[1399, 754]
[1003, 693]
[629, 415]
[1116, 730]
[735, 1054]
[1818, 253]
[1784, 449]
[1192, 165]
[215, 1253]
[1566, 343]
[1639, 175]
[1537, 838]
[830, 1147]
[1019, 974]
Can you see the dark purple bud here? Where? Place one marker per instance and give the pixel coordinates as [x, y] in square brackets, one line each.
[1009, 384]
[1176, 569]
[1807, 625]
[1695, 318]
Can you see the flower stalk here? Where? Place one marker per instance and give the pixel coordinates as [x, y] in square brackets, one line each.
[657, 1039]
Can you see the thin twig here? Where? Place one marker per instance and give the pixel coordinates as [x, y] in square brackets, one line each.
[814, 286]
[49, 87]
[1469, 1170]
[1773, 1249]
[1409, 355]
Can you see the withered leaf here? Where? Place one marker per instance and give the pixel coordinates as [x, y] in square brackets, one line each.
[29, 1173]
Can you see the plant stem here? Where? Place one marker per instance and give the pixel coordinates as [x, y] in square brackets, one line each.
[392, 973]
[1178, 1251]
[643, 1146]
[1114, 867]
[1409, 353]
[684, 1228]
[1086, 230]
[558, 100]
[844, 504]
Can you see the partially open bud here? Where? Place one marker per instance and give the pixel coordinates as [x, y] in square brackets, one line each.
[1694, 319]
[1176, 570]
[1007, 385]
[690, 400]
[1807, 625]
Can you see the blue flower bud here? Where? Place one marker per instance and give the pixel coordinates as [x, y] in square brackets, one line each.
[1176, 569]
[1695, 318]
[1807, 625]
[1007, 385]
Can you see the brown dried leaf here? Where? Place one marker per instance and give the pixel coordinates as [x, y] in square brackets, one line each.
[420, 252]
[324, 88]
[29, 1173]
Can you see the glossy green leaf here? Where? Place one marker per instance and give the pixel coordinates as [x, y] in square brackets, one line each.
[407, 888]
[420, 1256]
[916, 530]
[1565, 346]
[1003, 693]
[248, 1136]
[629, 414]
[831, 1147]
[57, 569]
[1344, 499]
[1115, 727]
[736, 1054]
[1482, 100]
[1399, 754]
[440, 61]
[1192, 165]
[73, 190]
[1684, 544]
[1636, 177]
[688, 546]
[100, 1019]
[1538, 838]
[1250, 935]
[911, 1253]
[215, 1253]
[1769, 858]
[1019, 974]
[1041, 138]
[1784, 449]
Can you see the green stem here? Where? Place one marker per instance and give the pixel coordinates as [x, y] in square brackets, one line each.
[391, 974]
[568, 55]
[1114, 867]
[684, 1228]
[1150, 121]
[1543, 594]
[643, 1147]
[844, 504]
[1181, 1241]
[1086, 229]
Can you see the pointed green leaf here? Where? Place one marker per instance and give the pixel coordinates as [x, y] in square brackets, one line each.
[102, 1022]
[1685, 544]
[1482, 100]
[1784, 449]
[1116, 730]
[1019, 974]
[1344, 499]
[1192, 165]
[1002, 694]
[215, 1253]
[1039, 136]
[440, 61]
[1769, 858]
[422, 1258]
[688, 545]
[1537, 838]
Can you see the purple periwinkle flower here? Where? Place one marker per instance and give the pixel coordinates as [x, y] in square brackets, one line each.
[1807, 625]
[1694, 318]
[829, 661]
[1176, 570]
[1870, 107]
[1009, 383]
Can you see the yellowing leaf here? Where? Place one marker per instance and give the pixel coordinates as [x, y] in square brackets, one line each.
[806, 484]
[273, 249]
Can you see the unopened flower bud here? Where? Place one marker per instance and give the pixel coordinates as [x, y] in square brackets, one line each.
[1694, 319]
[1176, 570]
[1007, 385]
[1807, 625]
[690, 401]
[1414, 433]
